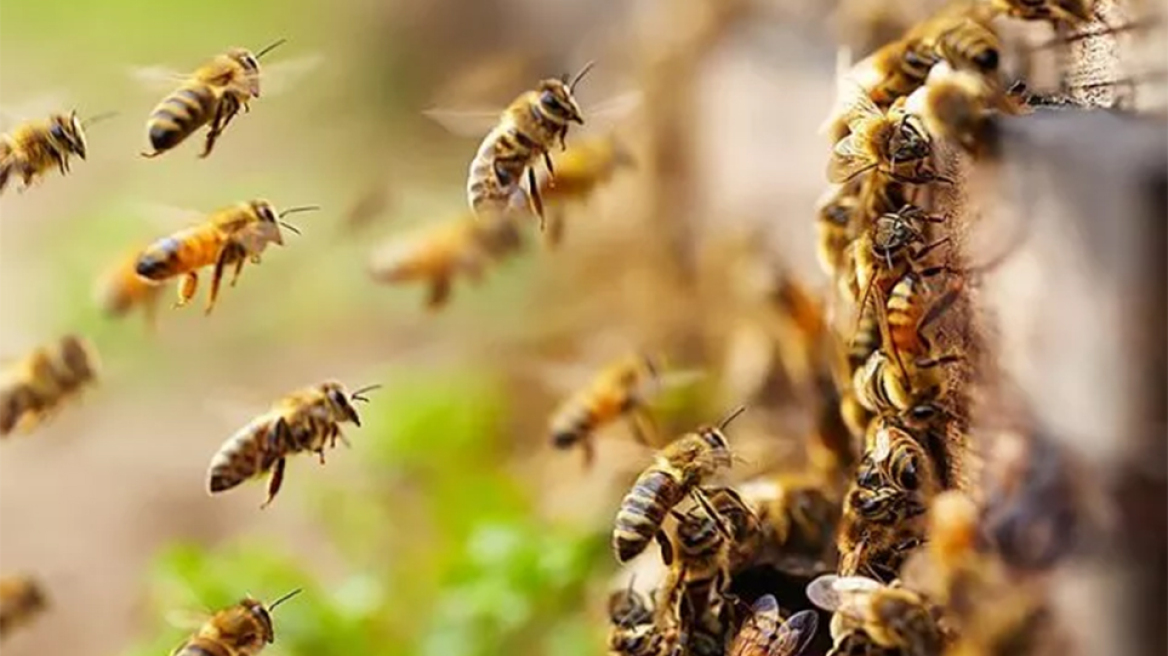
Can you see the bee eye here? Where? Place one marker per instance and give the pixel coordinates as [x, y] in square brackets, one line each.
[58, 131]
[987, 60]
[907, 476]
[549, 99]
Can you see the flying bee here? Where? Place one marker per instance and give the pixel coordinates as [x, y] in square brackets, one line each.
[307, 420]
[35, 147]
[213, 94]
[526, 131]
[764, 633]
[22, 599]
[1067, 12]
[678, 471]
[38, 385]
[797, 515]
[892, 143]
[229, 236]
[437, 254]
[580, 171]
[894, 617]
[240, 630]
[619, 390]
[121, 289]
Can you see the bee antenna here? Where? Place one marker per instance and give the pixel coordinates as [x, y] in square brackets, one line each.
[359, 394]
[286, 597]
[270, 48]
[290, 227]
[302, 208]
[580, 76]
[97, 119]
[731, 417]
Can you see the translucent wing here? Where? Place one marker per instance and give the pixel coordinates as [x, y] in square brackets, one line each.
[157, 78]
[796, 634]
[187, 620]
[614, 108]
[882, 447]
[36, 108]
[467, 122]
[848, 159]
[168, 218]
[822, 593]
[285, 74]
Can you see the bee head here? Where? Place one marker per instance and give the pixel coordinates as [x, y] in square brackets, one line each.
[342, 402]
[893, 232]
[269, 221]
[909, 142]
[67, 131]
[251, 68]
[555, 99]
[257, 611]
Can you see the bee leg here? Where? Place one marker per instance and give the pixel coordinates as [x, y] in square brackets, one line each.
[589, 450]
[536, 199]
[217, 277]
[940, 360]
[555, 231]
[547, 161]
[666, 547]
[213, 133]
[439, 293]
[274, 482]
[238, 270]
[187, 288]
[320, 455]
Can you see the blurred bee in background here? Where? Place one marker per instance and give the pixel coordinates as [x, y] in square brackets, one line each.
[307, 420]
[228, 236]
[894, 144]
[240, 630]
[678, 471]
[835, 225]
[618, 391]
[121, 289]
[894, 617]
[765, 633]
[39, 384]
[21, 600]
[797, 517]
[437, 254]
[582, 169]
[34, 148]
[213, 94]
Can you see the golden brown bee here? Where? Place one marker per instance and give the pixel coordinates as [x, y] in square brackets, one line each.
[526, 131]
[764, 633]
[39, 384]
[229, 236]
[954, 106]
[797, 514]
[893, 144]
[213, 94]
[1069, 12]
[580, 171]
[121, 289]
[34, 148]
[678, 471]
[21, 600]
[835, 224]
[620, 390]
[437, 254]
[307, 420]
[240, 630]
[894, 617]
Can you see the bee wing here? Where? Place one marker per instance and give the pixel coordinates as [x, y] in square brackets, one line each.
[465, 122]
[822, 593]
[35, 108]
[882, 447]
[848, 159]
[681, 378]
[187, 620]
[795, 635]
[278, 78]
[610, 110]
[157, 77]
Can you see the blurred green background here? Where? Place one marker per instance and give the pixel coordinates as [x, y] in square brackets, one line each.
[451, 526]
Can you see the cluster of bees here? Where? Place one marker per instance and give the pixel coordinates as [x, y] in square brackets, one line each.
[876, 506]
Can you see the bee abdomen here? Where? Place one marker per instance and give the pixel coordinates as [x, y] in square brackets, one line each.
[572, 425]
[180, 114]
[202, 647]
[642, 511]
[241, 457]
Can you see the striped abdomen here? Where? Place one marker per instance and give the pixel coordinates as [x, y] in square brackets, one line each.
[643, 510]
[970, 44]
[248, 453]
[866, 339]
[496, 172]
[204, 647]
[179, 253]
[905, 307]
[583, 414]
[181, 113]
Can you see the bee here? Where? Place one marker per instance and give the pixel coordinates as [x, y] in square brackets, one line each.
[620, 390]
[34, 148]
[307, 420]
[628, 608]
[525, 132]
[1067, 12]
[213, 94]
[240, 630]
[437, 254]
[797, 515]
[580, 171]
[228, 236]
[954, 105]
[894, 617]
[835, 220]
[637, 640]
[121, 289]
[893, 143]
[678, 470]
[884, 509]
[22, 599]
[38, 385]
[885, 385]
[764, 633]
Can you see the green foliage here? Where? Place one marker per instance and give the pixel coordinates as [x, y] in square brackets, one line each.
[445, 555]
